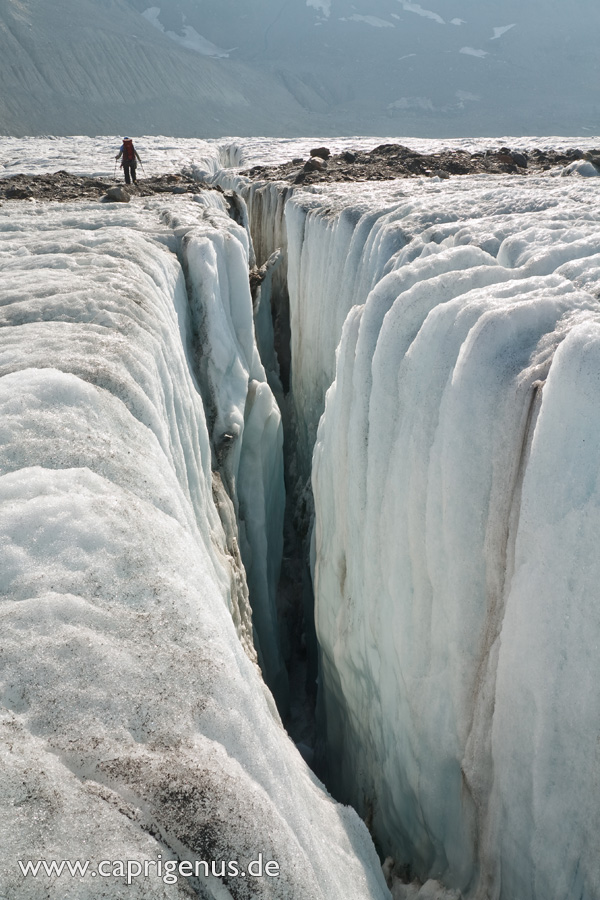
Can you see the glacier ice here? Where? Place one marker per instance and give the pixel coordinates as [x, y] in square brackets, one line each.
[135, 718]
[454, 478]
[457, 715]
[450, 333]
[454, 715]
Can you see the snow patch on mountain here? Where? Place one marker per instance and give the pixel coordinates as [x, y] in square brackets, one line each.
[369, 20]
[467, 96]
[190, 39]
[471, 51]
[425, 103]
[426, 13]
[500, 30]
[323, 5]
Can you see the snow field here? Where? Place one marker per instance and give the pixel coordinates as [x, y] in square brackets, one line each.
[136, 721]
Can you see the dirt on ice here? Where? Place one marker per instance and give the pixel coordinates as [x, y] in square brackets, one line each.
[389, 161]
[64, 186]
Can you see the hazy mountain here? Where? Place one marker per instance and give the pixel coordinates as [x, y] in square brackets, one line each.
[215, 67]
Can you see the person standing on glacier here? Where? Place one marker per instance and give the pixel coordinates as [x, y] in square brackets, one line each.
[129, 161]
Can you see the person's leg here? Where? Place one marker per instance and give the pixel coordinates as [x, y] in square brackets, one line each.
[126, 173]
[133, 173]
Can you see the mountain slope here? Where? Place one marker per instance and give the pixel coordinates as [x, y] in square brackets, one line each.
[97, 67]
[277, 67]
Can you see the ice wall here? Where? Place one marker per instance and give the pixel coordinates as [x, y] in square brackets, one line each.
[265, 206]
[243, 417]
[335, 243]
[135, 719]
[455, 484]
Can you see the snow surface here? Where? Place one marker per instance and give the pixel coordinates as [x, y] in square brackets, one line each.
[471, 51]
[135, 719]
[324, 6]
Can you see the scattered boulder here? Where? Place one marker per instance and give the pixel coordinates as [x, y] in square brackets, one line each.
[116, 194]
[297, 161]
[314, 164]
[389, 161]
[321, 152]
[18, 193]
[519, 159]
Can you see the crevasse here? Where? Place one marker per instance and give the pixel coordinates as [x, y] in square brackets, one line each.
[455, 329]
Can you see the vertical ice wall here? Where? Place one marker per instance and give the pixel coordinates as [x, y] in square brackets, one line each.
[455, 484]
[337, 251]
[243, 417]
[133, 722]
[264, 210]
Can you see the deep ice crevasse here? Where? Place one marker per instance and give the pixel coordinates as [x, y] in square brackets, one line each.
[454, 474]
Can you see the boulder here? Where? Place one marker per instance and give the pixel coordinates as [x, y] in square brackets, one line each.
[321, 152]
[116, 194]
[519, 159]
[314, 164]
[18, 193]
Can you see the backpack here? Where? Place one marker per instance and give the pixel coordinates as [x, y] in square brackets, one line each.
[128, 151]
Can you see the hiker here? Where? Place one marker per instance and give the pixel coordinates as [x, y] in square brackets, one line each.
[129, 161]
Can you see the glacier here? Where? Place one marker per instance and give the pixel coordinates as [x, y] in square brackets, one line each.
[440, 391]
[135, 722]
[444, 372]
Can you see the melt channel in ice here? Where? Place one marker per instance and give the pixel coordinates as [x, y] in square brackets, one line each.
[135, 720]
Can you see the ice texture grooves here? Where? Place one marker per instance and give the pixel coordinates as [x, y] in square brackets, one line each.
[455, 478]
[135, 720]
